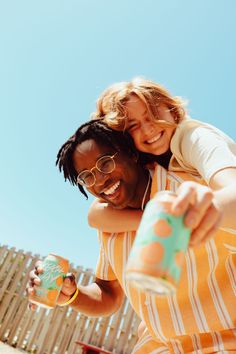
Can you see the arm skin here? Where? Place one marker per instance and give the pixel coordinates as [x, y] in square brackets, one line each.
[224, 185]
[102, 216]
[101, 298]
[205, 208]
[208, 208]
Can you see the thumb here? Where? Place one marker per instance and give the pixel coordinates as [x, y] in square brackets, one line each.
[68, 288]
[69, 284]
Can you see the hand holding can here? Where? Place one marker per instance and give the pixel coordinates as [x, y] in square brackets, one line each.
[55, 269]
[155, 260]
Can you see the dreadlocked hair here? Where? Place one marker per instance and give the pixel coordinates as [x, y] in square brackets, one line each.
[99, 131]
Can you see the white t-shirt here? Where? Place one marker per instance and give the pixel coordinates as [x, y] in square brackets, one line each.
[201, 149]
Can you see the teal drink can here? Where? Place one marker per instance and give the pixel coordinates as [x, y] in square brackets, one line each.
[159, 248]
[54, 270]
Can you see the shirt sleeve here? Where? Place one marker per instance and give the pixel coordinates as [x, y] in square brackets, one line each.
[205, 148]
[103, 270]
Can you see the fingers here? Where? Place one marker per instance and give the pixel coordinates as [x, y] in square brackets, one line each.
[69, 284]
[202, 206]
[32, 307]
[34, 277]
[38, 267]
[202, 215]
[186, 195]
[207, 227]
[34, 280]
[68, 288]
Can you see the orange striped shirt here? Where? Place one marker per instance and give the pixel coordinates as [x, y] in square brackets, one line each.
[201, 316]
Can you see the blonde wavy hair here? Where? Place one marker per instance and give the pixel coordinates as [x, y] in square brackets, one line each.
[111, 105]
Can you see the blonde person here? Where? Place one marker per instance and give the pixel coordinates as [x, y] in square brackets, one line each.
[159, 125]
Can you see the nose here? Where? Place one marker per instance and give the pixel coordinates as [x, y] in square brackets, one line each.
[100, 177]
[147, 127]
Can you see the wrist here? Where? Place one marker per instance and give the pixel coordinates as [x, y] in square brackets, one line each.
[71, 299]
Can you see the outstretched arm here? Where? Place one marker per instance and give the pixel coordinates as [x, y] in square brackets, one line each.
[101, 298]
[208, 208]
[103, 217]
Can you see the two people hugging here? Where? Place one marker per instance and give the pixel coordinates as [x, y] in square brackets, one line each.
[140, 141]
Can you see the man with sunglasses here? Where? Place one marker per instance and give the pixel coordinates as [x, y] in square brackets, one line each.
[200, 315]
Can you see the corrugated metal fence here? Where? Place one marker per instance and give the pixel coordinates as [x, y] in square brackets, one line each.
[55, 331]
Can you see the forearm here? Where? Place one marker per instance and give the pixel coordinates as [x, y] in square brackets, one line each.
[224, 186]
[102, 216]
[98, 299]
[226, 199]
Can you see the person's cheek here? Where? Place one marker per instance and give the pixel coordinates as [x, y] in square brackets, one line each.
[91, 191]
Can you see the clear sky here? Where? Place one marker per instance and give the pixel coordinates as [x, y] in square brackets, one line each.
[56, 57]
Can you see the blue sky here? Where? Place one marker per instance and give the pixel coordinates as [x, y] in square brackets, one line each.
[56, 58]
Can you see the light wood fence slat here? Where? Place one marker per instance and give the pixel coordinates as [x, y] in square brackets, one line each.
[18, 274]
[44, 333]
[70, 324]
[103, 332]
[56, 331]
[56, 326]
[75, 336]
[8, 314]
[111, 339]
[11, 272]
[10, 293]
[3, 251]
[4, 308]
[53, 328]
[90, 331]
[25, 325]
[6, 265]
[124, 332]
[38, 321]
[15, 322]
[87, 277]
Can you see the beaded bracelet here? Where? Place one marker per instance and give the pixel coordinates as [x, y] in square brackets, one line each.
[73, 297]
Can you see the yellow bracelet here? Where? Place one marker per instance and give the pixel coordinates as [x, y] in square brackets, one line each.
[74, 296]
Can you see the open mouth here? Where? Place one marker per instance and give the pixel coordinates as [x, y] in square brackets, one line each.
[113, 191]
[155, 138]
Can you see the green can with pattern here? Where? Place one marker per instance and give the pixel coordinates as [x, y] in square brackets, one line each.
[54, 271]
[159, 248]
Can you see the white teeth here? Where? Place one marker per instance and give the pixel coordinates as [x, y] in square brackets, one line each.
[112, 189]
[155, 138]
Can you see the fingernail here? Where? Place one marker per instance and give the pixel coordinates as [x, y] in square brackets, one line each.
[70, 276]
[67, 280]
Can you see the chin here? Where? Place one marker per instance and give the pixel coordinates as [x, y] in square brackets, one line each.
[119, 206]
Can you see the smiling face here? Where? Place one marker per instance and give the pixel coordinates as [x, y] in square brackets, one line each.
[148, 135]
[118, 188]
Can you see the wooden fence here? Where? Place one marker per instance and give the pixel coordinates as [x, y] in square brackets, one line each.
[55, 331]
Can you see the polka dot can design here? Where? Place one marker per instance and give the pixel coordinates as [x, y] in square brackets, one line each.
[154, 264]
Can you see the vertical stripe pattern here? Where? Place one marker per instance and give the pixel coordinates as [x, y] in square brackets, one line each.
[201, 317]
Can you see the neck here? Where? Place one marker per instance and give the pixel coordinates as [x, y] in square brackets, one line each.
[142, 191]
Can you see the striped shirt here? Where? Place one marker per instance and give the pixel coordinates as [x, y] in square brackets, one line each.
[201, 316]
